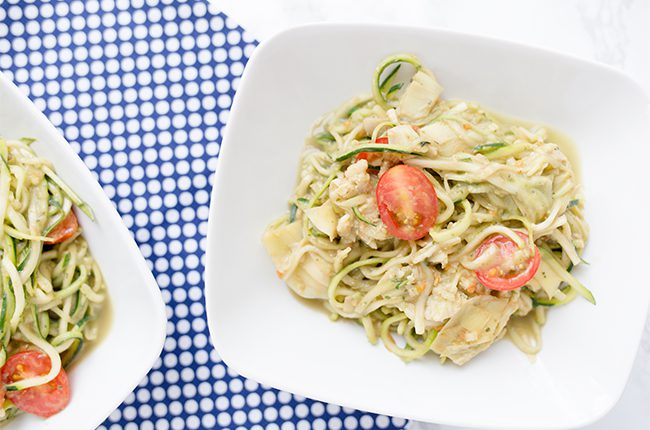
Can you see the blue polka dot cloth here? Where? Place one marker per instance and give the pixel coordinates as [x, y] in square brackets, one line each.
[142, 90]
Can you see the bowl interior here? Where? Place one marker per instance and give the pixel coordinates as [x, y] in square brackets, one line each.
[135, 325]
[588, 350]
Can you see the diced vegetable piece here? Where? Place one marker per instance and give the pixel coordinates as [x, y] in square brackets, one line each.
[42, 400]
[407, 202]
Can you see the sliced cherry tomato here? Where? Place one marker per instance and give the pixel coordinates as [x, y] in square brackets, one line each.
[43, 400]
[65, 229]
[407, 202]
[495, 278]
[372, 156]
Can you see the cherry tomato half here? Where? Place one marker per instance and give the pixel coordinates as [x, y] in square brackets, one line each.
[495, 277]
[43, 400]
[65, 229]
[372, 156]
[407, 202]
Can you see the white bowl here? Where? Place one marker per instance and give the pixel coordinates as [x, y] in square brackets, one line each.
[108, 372]
[265, 334]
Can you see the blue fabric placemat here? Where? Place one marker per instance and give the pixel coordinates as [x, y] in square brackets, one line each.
[142, 90]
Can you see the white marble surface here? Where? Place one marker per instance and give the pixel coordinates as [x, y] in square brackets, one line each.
[615, 32]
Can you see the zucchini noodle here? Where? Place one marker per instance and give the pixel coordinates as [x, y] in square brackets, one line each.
[51, 291]
[492, 177]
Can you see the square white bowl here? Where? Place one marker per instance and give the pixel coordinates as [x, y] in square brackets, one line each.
[106, 374]
[264, 333]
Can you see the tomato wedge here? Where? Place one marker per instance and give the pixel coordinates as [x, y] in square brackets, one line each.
[65, 229]
[407, 202]
[507, 275]
[372, 156]
[43, 400]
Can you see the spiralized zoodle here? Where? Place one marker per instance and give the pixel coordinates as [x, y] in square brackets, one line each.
[51, 289]
[435, 224]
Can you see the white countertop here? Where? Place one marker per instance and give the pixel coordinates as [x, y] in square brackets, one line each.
[616, 32]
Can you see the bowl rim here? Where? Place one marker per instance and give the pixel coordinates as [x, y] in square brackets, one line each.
[332, 25]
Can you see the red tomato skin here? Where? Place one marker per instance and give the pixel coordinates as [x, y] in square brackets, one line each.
[404, 191]
[372, 156]
[43, 400]
[514, 282]
[65, 229]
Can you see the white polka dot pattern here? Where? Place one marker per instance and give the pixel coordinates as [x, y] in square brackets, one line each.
[141, 90]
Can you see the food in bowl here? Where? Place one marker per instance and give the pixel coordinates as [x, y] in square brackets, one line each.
[434, 223]
[52, 290]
